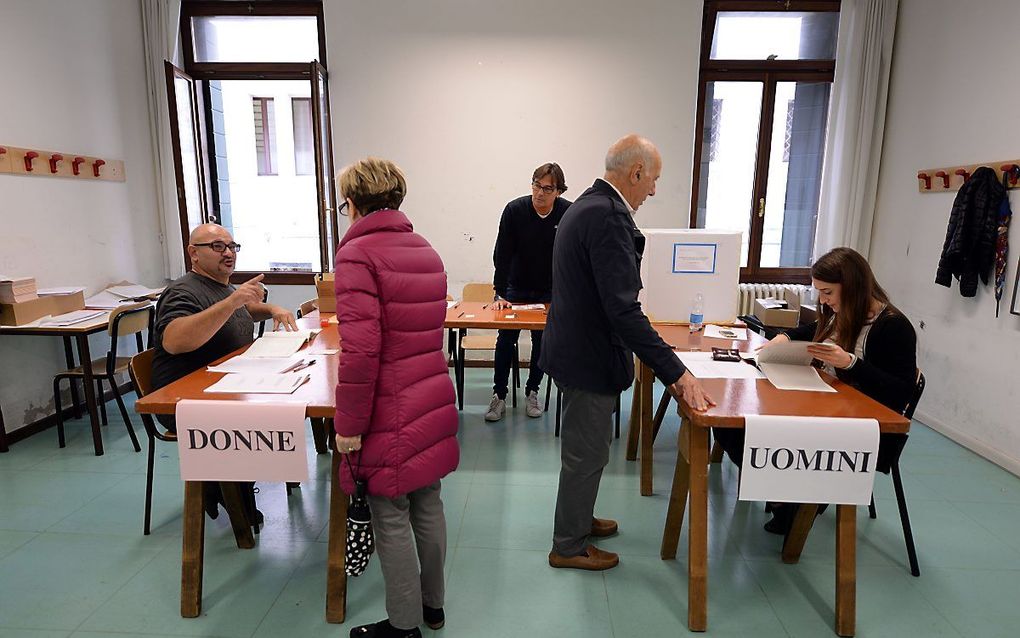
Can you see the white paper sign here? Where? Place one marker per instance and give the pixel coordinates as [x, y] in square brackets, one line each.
[809, 459]
[242, 441]
[694, 258]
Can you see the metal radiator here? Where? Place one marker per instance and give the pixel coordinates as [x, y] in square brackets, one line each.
[749, 292]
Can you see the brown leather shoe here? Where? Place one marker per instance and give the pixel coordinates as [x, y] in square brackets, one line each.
[594, 559]
[602, 527]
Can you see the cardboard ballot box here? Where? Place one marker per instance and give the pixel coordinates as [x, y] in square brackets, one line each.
[17, 314]
[779, 312]
[680, 263]
[324, 289]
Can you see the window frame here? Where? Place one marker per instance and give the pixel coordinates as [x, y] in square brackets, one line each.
[207, 71]
[768, 73]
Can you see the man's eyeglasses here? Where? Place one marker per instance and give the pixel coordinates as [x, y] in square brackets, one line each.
[548, 190]
[342, 209]
[220, 246]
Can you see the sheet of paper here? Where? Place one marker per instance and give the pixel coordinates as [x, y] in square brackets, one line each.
[451, 304]
[259, 383]
[133, 290]
[694, 258]
[726, 332]
[105, 300]
[323, 351]
[527, 306]
[279, 344]
[46, 292]
[72, 318]
[253, 365]
[703, 366]
[791, 352]
[794, 377]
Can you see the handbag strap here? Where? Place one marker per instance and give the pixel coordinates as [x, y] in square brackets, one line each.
[360, 488]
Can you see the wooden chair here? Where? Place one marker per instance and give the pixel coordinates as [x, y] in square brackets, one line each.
[484, 293]
[140, 370]
[130, 320]
[901, 499]
[307, 307]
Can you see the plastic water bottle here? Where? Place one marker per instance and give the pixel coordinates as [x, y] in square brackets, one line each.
[697, 312]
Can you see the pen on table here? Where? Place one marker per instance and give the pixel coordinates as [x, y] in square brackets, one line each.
[460, 315]
[303, 365]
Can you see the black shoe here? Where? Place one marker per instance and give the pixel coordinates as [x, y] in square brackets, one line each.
[782, 518]
[434, 616]
[383, 629]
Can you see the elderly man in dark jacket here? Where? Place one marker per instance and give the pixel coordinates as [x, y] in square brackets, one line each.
[594, 328]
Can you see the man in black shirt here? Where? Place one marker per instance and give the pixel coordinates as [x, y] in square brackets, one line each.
[200, 317]
[523, 261]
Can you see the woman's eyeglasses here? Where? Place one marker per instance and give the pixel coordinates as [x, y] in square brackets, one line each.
[342, 209]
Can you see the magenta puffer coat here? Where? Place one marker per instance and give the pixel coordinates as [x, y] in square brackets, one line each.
[393, 385]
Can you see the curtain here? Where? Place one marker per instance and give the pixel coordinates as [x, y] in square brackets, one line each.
[160, 29]
[853, 146]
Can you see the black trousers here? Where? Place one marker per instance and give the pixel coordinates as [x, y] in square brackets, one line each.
[507, 339]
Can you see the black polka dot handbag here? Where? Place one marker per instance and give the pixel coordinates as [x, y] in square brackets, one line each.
[360, 539]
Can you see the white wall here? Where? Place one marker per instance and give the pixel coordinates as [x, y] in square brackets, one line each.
[469, 97]
[74, 81]
[952, 101]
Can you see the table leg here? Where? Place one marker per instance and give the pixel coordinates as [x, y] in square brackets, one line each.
[318, 435]
[69, 359]
[634, 422]
[192, 553]
[336, 577]
[3, 434]
[697, 533]
[677, 497]
[459, 367]
[233, 503]
[89, 383]
[846, 569]
[647, 440]
[793, 545]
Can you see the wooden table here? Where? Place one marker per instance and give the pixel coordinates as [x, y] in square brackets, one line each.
[736, 398]
[479, 315]
[319, 394]
[80, 333]
[641, 435]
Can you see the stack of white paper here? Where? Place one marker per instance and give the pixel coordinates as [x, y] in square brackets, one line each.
[279, 344]
[72, 318]
[259, 383]
[17, 289]
[252, 365]
[54, 292]
[527, 306]
[703, 366]
[788, 366]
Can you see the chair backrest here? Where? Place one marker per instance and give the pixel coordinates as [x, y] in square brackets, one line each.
[908, 411]
[262, 324]
[308, 306]
[478, 292]
[140, 370]
[130, 319]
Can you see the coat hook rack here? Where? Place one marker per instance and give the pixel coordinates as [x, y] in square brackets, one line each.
[22, 161]
[939, 180]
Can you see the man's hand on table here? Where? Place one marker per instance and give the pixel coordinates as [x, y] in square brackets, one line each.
[283, 317]
[689, 388]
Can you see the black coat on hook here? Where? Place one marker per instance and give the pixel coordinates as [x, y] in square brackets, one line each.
[969, 250]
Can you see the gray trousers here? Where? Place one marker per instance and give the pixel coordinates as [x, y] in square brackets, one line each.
[394, 520]
[586, 432]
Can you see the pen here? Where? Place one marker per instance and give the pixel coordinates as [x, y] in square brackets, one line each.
[460, 315]
[303, 365]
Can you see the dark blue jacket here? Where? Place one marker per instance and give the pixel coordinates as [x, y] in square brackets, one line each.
[595, 323]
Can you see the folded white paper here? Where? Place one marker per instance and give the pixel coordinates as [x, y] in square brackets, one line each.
[259, 383]
[703, 366]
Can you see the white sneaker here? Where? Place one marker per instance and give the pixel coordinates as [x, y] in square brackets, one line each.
[497, 408]
[532, 407]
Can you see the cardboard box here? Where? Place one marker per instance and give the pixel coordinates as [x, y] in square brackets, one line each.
[787, 317]
[679, 263]
[324, 289]
[17, 314]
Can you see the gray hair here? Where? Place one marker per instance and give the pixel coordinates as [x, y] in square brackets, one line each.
[628, 151]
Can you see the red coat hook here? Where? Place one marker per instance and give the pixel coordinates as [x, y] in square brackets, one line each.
[29, 156]
[927, 180]
[95, 167]
[962, 172]
[944, 176]
[1014, 172]
[56, 157]
[75, 163]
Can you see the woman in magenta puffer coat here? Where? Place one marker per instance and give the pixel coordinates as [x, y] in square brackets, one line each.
[395, 409]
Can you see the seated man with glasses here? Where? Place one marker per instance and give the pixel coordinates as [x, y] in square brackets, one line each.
[201, 317]
[523, 261]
